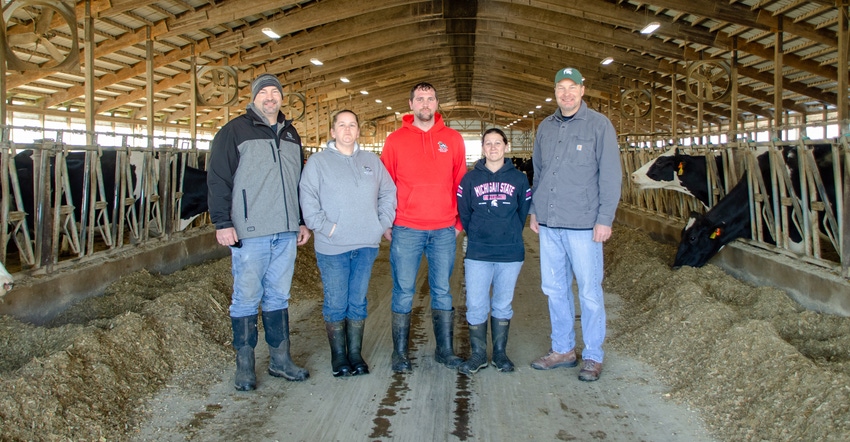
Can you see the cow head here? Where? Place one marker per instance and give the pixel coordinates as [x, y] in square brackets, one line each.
[658, 173]
[667, 167]
[6, 281]
[702, 238]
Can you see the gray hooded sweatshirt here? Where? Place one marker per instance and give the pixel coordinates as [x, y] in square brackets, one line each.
[348, 201]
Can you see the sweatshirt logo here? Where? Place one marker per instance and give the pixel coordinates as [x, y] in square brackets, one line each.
[503, 189]
[442, 146]
[367, 170]
[289, 136]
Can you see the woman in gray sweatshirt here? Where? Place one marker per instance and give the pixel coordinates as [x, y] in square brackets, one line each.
[348, 200]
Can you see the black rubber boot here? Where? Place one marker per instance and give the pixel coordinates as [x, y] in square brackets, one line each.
[401, 330]
[478, 342]
[339, 358]
[244, 341]
[355, 342]
[444, 333]
[500, 328]
[276, 324]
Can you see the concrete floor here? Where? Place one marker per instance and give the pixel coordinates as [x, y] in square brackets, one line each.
[433, 403]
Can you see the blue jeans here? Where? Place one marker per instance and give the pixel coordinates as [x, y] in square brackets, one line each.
[566, 253]
[345, 281]
[480, 276]
[406, 251]
[262, 273]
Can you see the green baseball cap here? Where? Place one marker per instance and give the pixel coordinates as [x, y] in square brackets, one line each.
[571, 73]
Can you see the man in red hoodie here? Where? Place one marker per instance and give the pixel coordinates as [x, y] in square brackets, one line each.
[426, 160]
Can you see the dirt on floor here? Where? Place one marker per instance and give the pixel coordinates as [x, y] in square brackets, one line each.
[754, 364]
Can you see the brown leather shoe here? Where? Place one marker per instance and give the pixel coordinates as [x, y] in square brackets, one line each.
[590, 370]
[554, 359]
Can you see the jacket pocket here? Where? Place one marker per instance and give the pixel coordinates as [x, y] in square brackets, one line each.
[244, 205]
[582, 152]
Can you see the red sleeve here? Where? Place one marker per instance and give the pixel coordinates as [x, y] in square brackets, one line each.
[388, 158]
[459, 172]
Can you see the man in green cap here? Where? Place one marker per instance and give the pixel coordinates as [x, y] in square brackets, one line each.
[577, 180]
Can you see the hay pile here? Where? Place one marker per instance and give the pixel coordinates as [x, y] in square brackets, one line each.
[86, 374]
[756, 365]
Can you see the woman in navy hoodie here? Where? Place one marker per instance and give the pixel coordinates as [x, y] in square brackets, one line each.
[493, 201]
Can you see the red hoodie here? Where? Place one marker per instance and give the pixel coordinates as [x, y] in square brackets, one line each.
[427, 168]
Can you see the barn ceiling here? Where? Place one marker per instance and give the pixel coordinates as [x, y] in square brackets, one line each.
[490, 60]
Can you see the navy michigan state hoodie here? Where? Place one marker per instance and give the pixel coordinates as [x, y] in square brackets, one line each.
[492, 208]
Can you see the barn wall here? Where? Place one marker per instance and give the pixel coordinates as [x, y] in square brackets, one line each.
[811, 286]
[38, 299]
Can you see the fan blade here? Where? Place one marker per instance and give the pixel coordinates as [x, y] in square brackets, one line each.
[57, 55]
[22, 39]
[43, 22]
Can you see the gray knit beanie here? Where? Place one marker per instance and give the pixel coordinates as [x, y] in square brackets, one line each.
[262, 81]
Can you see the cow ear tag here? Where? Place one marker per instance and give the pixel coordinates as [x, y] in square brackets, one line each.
[715, 234]
[681, 166]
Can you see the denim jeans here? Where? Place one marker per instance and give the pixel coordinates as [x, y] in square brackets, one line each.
[262, 273]
[566, 253]
[480, 276]
[345, 282]
[406, 251]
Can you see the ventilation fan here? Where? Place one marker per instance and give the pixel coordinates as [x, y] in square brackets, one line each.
[708, 81]
[31, 41]
[635, 103]
[296, 105]
[217, 86]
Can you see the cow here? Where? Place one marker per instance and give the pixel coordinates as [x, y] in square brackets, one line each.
[6, 281]
[194, 199]
[680, 172]
[75, 163]
[706, 234]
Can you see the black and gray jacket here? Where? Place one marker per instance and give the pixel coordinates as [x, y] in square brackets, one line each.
[253, 176]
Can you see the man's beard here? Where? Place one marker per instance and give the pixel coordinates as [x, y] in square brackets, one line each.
[422, 116]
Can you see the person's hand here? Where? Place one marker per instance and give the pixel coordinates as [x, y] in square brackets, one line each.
[226, 236]
[389, 234]
[303, 235]
[532, 224]
[601, 233]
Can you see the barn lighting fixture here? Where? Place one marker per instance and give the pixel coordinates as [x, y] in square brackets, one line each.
[316, 61]
[378, 100]
[538, 106]
[389, 108]
[548, 99]
[650, 28]
[270, 34]
[364, 92]
[606, 61]
[344, 80]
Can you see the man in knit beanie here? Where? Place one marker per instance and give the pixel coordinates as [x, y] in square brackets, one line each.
[262, 81]
[253, 173]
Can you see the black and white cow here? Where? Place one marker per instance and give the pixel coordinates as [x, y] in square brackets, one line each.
[705, 234]
[6, 281]
[193, 200]
[680, 172]
[75, 163]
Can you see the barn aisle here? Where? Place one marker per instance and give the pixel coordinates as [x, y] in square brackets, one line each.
[432, 403]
